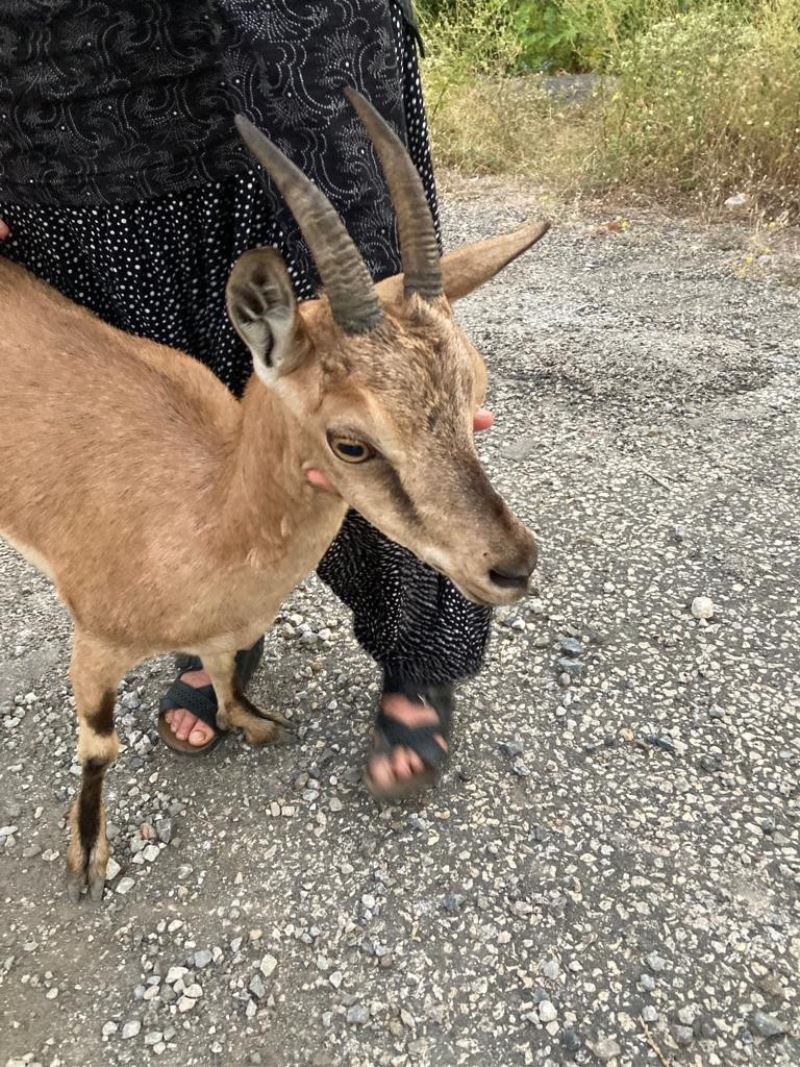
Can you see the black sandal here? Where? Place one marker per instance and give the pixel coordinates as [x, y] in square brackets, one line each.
[201, 701]
[391, 734]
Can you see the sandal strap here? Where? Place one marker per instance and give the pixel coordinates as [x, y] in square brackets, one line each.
[201, 702]
[420, 739]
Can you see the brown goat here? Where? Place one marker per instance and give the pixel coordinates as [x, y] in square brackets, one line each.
[172, 517]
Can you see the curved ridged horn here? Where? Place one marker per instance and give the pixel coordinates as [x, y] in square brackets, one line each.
[344, 274]
[418, 246]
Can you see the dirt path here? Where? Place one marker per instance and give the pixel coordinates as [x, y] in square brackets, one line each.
[611, 869]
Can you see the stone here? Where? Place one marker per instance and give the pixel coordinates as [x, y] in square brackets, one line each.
[768, 1025]
[124, 885]
[202, 958]
[112, 869]
[186, 1004]
[703, 607]
[268, 965]
[175, 973]
[131, 1029]
[257, 987]
[550, 970]
[571, 646]
[547, 1012]
[656, 963]
[357, 1015]
[453, 902]
[607, 1049]
[683, 1034]
[570, 667]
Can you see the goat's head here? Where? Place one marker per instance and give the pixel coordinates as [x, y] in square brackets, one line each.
[382, 377]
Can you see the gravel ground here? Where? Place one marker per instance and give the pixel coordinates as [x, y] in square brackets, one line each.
[610, 870]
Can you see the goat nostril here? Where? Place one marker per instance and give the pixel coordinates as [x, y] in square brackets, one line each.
[510, 577]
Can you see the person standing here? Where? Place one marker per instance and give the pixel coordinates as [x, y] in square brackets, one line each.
[124, 185]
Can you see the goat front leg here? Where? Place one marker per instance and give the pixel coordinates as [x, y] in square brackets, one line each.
[233, 707]
[95, 673]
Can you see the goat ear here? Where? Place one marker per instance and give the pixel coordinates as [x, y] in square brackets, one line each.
[470, 267]
[263, 309]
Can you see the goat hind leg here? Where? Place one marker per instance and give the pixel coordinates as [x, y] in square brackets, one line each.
[95, 673]
[233, 707]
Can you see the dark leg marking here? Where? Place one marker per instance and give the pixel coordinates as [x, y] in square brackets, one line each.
[246, 703]
[102, 721]
[90, 804]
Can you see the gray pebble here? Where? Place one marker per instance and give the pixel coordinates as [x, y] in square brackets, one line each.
[571, 646]
[547, 1011]
[768, 1025]
[607, 1049]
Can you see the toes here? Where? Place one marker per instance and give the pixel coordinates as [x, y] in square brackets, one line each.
[416, 764]
[201, 734]
[401, 764]
[381, 772]
[187, 724]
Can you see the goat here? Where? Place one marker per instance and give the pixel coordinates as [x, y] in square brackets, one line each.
[374, 385]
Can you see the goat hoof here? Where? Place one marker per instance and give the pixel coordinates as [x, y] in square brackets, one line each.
[75, 884]
[85, 876]
[263, 732]
[96, 887]
[281, 720]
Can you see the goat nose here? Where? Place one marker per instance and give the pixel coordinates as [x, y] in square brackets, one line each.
[514, 573]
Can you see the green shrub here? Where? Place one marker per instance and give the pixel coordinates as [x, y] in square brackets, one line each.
[702, 98]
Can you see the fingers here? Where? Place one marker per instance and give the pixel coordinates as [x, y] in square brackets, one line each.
[319, 480]
[483, 419]
[4, 230]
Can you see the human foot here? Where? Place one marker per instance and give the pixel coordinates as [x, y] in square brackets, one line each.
[183, 724]
[188, 720]
[410, 742]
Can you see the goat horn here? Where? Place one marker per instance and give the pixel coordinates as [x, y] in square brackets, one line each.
[418, 245]
[347, 281]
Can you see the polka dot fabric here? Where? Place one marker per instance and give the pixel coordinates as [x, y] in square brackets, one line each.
[158, 267]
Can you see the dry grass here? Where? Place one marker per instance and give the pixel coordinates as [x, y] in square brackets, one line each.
[699, 106]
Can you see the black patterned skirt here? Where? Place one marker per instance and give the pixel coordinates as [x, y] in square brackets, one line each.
[157, 267]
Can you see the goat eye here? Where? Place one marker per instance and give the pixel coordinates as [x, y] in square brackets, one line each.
[350, 450]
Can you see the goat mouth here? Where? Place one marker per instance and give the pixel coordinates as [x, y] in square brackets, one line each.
[484, 594]
[481, 598]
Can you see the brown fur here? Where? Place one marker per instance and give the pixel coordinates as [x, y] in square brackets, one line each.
[172, 517]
